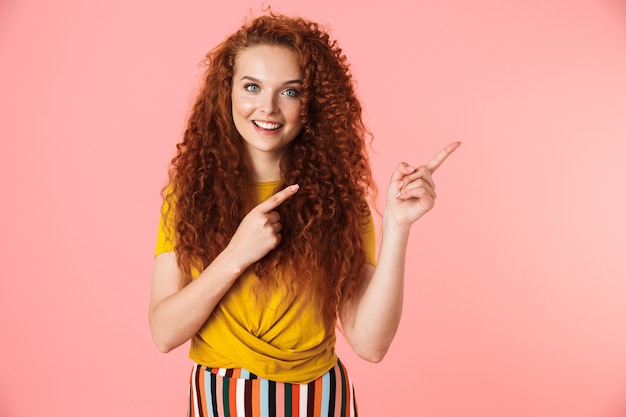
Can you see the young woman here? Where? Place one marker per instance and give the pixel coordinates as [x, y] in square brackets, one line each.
[266, 238]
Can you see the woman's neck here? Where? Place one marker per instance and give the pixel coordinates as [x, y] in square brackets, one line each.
[265, 168]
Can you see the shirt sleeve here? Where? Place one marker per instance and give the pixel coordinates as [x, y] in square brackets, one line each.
[166, 237]
[369, 241]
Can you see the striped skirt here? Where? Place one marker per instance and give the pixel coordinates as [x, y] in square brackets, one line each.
[220, 392]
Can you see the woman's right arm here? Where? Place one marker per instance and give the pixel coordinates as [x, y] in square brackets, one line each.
[176, 314]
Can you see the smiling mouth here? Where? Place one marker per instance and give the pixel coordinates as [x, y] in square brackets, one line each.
[267, 125]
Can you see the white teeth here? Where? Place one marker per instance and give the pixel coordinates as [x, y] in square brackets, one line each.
[269, 126]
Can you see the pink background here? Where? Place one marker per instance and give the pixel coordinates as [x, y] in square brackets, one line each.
[516, 282]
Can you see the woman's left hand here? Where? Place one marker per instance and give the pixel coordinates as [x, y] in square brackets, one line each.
[411, 192]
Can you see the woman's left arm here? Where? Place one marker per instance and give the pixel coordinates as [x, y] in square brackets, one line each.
[371, 319]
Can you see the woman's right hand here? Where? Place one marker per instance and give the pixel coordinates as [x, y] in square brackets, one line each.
[259, 231]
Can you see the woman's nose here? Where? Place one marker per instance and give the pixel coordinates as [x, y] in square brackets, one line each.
[268, 103]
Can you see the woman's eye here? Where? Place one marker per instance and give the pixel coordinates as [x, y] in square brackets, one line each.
[290, 92]
[253, 88]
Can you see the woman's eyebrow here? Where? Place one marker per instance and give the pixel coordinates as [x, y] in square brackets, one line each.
[249, 78]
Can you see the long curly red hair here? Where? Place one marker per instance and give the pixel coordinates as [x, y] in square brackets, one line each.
[211, 185]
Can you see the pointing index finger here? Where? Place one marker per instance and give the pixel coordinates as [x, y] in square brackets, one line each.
[278, 198]
[438, 159]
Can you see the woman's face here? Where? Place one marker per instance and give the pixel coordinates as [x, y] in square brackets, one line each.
[267, 83]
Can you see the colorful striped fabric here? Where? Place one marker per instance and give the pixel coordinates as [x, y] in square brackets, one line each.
[220, 392]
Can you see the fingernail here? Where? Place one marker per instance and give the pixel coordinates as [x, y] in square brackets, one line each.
[294, 187]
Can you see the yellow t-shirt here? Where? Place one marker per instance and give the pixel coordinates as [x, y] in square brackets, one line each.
[273, 339]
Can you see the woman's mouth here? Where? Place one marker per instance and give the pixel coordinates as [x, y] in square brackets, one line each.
[267, 125]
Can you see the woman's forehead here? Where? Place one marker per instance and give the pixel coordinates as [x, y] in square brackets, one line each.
[268, 62]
